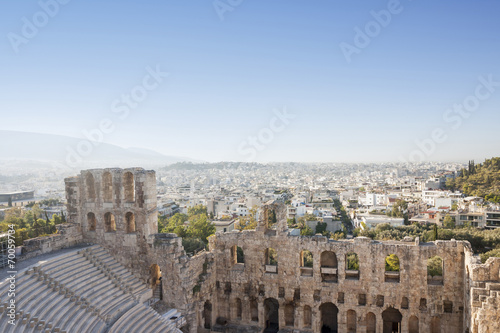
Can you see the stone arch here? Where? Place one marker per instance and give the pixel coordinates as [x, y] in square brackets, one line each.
[307, 316]
[91, 221]
[254, 310]
[130, 222]
[207, 315]
[271, 314]
[289, 315]
[413, 325]
[435, 270]
[329, 264]
[329, 313]
[107, 187]
[371, 322]
[90, 185]
[392, 320]
[237, 255]
[109, 222]
[238, 308]
[351, 321]
[435, 325]
[129, 186]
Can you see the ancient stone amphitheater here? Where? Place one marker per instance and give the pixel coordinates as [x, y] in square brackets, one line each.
[108, 270]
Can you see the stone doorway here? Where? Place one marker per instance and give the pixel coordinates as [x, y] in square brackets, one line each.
[156, 281]
[271, 315]
[392, 320]
[329, 313]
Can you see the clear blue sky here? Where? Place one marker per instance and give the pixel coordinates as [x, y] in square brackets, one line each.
[227, 76]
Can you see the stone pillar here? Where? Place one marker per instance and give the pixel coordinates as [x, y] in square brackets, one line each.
[281, 315]
[404, 323]
[246, 313]
[262, 320]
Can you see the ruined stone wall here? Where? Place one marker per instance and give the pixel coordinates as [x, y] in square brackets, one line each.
[186, 281]
[483, 295]
[215, 291]
[295, 287]
[67, 235]
[116, 208]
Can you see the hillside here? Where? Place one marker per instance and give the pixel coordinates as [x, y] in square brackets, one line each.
[482, 180]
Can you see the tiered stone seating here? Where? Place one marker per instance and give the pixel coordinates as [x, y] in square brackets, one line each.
[81, 291]
[143, 319]
[43, 304]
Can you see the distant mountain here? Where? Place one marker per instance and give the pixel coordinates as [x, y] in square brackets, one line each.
[74, 153]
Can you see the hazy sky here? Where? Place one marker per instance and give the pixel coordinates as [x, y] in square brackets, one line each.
[360, 80]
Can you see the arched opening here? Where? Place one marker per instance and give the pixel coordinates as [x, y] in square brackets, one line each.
[352, 266]
[306, 263]
[91, 221]
[435, 270]
[107, 187]
[207, 315]
[392, 268]
[435, 325]
[271, 260]
[413, 325]
[155, 281]
[90, 185]
[271, 315]
[371, 323]
[238, 308]
[254, 310]
[329, 314]
[109, 222]
[129, 187]
[405, 303]
[351, 321]
[392, 320]
[307, 316]
[130, 221]
[289, 315]
[237, 255]
[328, 262]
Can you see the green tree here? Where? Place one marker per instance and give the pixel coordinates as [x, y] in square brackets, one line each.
[320, 227]
[271, 217]
[200, 227]
[192, 244]
[492, 253]
[392, 263]
[21, 235]
[435, 266]
[10, 202]
[448, 222]
[197, 210]
[352, 261]
[306, 231]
